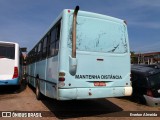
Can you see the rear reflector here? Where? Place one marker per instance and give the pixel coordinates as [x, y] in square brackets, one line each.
[15, 74]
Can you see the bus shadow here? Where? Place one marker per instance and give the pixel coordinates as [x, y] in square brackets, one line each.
[13, 89]
[133, 99]
[80, 108]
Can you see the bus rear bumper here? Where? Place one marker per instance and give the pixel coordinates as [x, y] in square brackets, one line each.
[14, 81]
[93, 93]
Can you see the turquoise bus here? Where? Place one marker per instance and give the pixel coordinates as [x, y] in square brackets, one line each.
[83, 55]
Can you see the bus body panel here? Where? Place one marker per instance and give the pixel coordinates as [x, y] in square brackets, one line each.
[89, 70]
[32, 69]
[52, 69]
[93, 93]
[7, 68]
[51, 90]
[40, 71]
[45, 70]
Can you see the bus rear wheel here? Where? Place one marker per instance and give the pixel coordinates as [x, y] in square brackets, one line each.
[38, 93]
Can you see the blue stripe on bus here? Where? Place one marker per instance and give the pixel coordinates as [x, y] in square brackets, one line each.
[14, 81]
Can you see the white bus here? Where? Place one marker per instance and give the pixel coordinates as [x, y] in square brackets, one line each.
[11, 63]
[83, 55]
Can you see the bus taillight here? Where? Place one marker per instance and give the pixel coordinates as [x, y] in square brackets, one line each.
[15, 75]
[61, 76]
[61, 79]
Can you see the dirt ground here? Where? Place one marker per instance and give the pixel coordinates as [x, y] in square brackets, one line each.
[24, 101]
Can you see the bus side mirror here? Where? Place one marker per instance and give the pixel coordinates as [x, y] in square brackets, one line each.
[72, 65]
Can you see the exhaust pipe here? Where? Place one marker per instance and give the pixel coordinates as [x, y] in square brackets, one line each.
[72, 59]
[74, 32]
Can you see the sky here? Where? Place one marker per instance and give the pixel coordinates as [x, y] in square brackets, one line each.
[25, 21]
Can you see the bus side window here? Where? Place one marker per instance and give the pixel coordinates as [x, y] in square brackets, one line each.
[48, 43]
[35, 54]
[57, 38]
[52, 42]
[30, 58]
[44, 51]
[39, 51]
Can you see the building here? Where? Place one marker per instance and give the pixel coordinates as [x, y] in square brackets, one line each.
[146, 58]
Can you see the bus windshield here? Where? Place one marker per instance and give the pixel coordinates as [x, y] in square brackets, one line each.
[7, 51]
[99, 35]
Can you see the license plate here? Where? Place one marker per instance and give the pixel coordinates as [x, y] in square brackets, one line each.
[99, 84]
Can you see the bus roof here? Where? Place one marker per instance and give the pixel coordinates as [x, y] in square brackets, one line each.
[96, 15]
[80, 13]
[9, 42]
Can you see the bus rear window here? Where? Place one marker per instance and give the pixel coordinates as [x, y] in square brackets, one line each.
[7, 51]
[99, 35]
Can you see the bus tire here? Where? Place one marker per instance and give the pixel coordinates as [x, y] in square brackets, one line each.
[38, 93]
